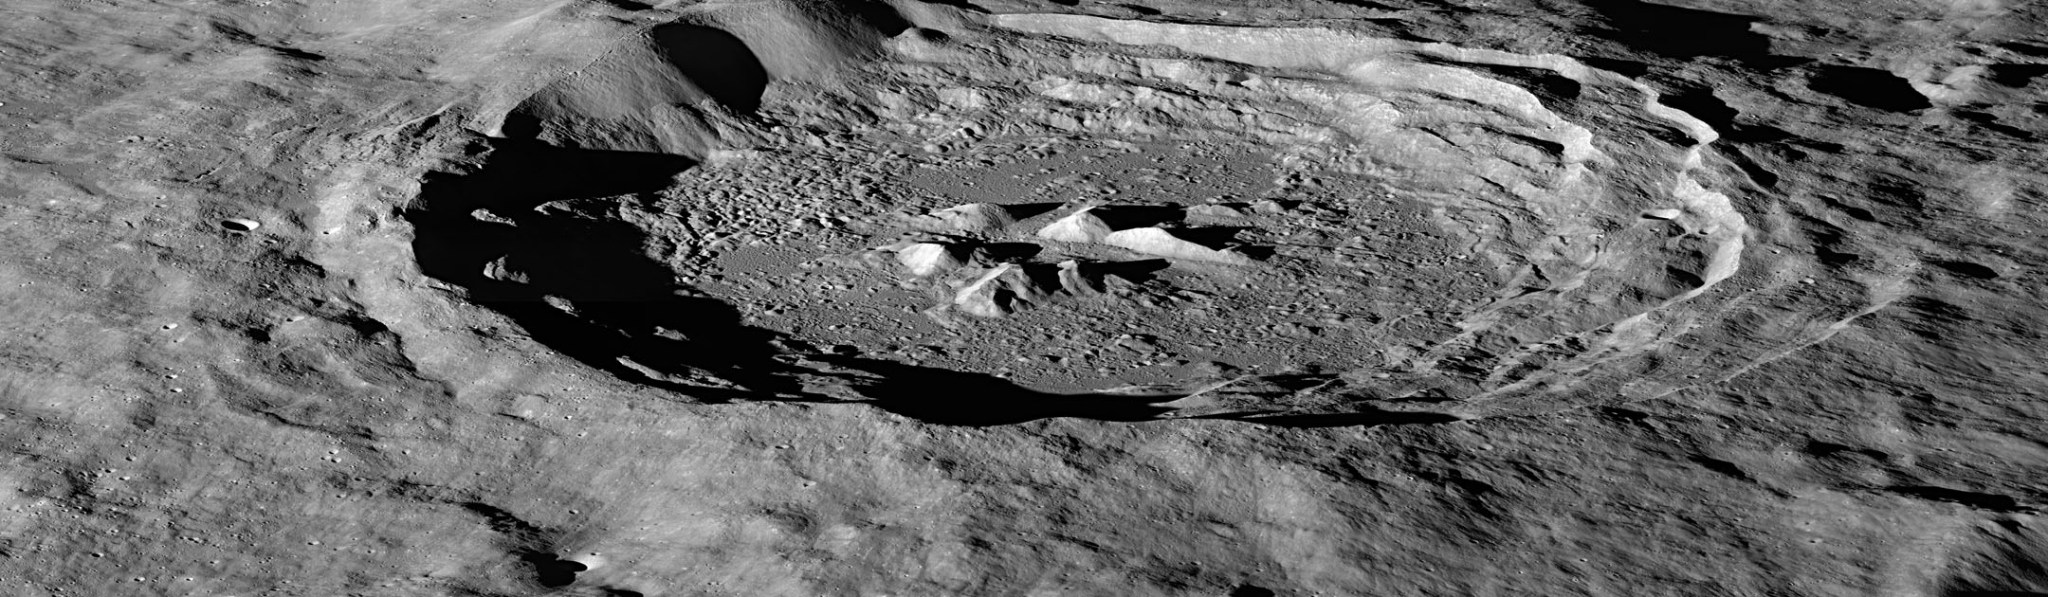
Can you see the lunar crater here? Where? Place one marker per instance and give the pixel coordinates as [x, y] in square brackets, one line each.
[1015, 297]
[1498, 232]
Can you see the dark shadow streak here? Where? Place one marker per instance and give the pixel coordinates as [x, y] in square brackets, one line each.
[1136, 271]
[955, 398]
[1120, 217]
[1981, 501]
[1222, 237]
[1364, 418]
[1024, 211]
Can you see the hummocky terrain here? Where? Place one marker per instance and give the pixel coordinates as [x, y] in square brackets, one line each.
[1253, 298]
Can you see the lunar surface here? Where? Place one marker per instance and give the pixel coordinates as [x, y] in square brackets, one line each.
[1251, 298]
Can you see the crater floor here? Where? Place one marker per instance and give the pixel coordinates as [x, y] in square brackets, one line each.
[1339, 274]
[1413, 227]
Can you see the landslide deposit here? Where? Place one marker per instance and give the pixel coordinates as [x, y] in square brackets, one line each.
[1008, 297]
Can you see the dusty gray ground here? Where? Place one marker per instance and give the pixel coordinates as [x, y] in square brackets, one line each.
[609, 298]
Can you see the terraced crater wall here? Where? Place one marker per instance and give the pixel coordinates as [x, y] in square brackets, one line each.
[1622, 257]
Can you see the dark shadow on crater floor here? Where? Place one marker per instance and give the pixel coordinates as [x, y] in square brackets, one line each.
[1685, 33]
[1223, 237]
[1869, 88]
[1657, 27]
[1022, 211]
[574, 277]
[945, 397]
[1120, 217]
[719, 63]
[1137, 271]
[1006, 252]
